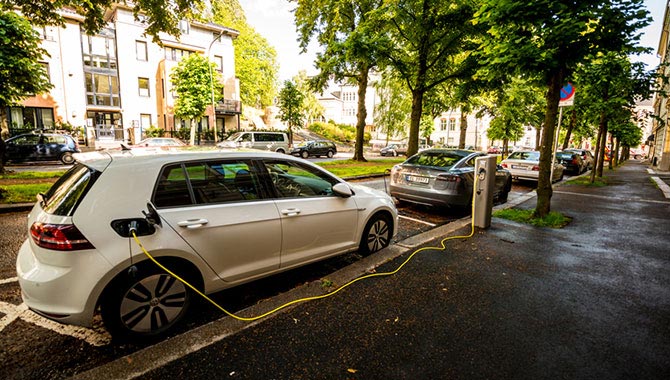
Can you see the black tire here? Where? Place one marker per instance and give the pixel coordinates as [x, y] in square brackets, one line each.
[66, 158]
[281, 151]
[330, 154]
[304, 154]
[144, 305]
[376, 234]
[505, 192]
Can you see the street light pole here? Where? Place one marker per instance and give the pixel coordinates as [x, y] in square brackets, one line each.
[211, 83]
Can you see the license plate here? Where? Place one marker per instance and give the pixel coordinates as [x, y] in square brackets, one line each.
[518, 167]
[412, 178]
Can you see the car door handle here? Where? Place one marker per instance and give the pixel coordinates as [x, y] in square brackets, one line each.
[290, 211]
[193, 223]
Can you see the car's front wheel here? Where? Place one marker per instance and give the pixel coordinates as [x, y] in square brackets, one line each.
[66, 158]
[304, 154]
[144, 304]
[330, 154]
[377, 234]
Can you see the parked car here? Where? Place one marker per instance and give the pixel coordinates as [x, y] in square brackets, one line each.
[41, 147]
[393, 150]
[526, 165]
[215, 218]
[272, 141]
[586, 155]
[160, 142]
[442, 177]
[571, 161]
[637, 153]
[494, 150]
[316, 148]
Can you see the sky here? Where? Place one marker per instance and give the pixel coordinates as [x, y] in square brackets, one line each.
[274, 20]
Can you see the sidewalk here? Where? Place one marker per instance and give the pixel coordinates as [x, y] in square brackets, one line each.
[588, 301]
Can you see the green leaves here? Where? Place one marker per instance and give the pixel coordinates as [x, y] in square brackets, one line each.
[194, 80]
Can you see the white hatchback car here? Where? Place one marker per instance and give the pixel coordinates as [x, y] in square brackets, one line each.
[218, 219]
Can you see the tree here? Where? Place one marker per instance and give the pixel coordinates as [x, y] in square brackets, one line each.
[348, 36]
[20, 72]
[255, 59]
[290, 107]
[428, 42]
[395, 104]
[191, 82]
[312, 109]
[545, 40]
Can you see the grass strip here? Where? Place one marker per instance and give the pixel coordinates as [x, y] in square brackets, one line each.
[553, 219]
[24, 193]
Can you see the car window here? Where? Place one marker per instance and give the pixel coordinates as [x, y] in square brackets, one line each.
[27, 140]
[172, 188]
[528, 156]
[63, 197]
[564, 155]
[223, 181]
[435, 159]
[292, 180]
[55, 139]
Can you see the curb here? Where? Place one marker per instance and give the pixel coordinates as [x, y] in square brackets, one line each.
[15, 207]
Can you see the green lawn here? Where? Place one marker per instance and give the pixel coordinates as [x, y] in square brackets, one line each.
[22, 193]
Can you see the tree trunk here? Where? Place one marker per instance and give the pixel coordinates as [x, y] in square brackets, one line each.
[362, 114]
[417, 104]
[3, 128]
[571, 126]
[615, 154]
[603, 143]
[192, 135]
[544, 189]
[598, 154]
[464, 129]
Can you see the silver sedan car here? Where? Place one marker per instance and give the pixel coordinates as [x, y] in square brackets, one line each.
[442, 177]
[525, 165]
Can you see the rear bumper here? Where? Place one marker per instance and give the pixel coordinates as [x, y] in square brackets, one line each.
[428, 197]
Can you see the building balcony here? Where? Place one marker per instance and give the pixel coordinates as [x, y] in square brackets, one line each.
[228, 107]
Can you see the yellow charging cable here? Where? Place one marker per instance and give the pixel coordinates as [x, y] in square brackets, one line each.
[442, 247]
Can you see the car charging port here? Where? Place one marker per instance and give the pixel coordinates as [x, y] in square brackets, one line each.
[125, 227]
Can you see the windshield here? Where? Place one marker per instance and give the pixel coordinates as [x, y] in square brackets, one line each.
[234, 136]
[435, 159]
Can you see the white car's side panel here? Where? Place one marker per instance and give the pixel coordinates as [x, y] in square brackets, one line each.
[237, 240]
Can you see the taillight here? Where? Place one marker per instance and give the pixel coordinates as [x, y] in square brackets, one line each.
[448, 178]
[536, 168]
[504, 165]
[59, 237]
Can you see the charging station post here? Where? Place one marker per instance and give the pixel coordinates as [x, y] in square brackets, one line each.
[485, 170]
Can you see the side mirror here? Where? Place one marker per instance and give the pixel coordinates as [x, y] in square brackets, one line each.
[343, 190]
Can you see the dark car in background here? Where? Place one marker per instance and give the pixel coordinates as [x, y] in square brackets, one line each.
[443, 177]
[393, 150]
[586, 155]
[41, 147]
[316, 148]
[572, 162]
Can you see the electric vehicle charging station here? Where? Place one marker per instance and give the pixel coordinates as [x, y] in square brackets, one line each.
[485, 170]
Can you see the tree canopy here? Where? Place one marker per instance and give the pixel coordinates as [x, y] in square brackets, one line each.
[291, 107]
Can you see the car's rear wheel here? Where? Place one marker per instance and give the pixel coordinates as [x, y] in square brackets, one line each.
[144, 304]
[66, 158]
[281, 151]
[377, 234]
[304, 154]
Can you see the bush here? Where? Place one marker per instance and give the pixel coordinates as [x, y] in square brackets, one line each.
[337, 132]
[154, 132]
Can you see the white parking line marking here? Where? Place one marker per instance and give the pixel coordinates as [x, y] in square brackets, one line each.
[663, 186]
[14, 312]
[8, 280]
[417, 220]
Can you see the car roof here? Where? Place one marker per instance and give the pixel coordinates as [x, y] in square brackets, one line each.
[101, 159]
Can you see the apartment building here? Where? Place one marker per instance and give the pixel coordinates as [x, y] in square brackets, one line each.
[659, 140]
[116, 84]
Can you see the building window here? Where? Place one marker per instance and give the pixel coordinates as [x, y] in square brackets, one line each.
[452, 124]
[443, 124]
[184, 27]
[31, 118]
[175, 54]
[102, 89]
[218, 60]
[143, 86]
[145, 120]
[45, 66]
[141, 51]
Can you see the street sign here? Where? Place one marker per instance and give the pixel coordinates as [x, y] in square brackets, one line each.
[567, 95]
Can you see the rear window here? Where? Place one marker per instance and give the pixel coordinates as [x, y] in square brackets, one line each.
[64, 196]
[528, 156]
[564, 156]
[435, 159]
